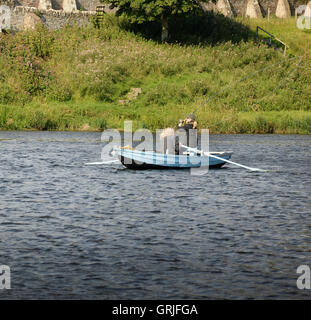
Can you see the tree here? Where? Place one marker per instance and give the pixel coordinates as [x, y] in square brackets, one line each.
[149, 10]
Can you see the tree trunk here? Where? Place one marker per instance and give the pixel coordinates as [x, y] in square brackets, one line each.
[164, 35]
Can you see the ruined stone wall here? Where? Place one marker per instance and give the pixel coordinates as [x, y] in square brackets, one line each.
[239, 6]
[85, 5]
[9, 3]
[53, 19]
[88, 4]
[27, 3]
[56, 18]
[82, 5]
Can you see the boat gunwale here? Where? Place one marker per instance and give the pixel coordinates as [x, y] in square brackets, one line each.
[168, 161]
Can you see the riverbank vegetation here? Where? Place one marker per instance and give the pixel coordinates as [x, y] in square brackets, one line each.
[80, 78]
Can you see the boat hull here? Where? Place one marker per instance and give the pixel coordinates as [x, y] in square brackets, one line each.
[142, 160]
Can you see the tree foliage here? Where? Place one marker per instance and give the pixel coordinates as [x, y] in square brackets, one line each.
[140, 11]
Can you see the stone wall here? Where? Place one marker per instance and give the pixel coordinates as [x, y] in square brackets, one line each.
[85, 5]
[9, 3]
[88, 4]
[239, 6]
[53, 19]
[56, 18]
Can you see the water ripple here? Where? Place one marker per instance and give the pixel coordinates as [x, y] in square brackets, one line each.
[70, 231]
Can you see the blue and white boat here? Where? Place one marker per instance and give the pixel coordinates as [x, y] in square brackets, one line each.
[140, 160]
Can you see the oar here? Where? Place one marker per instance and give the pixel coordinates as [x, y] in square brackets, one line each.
[222, 159]
[103, 162]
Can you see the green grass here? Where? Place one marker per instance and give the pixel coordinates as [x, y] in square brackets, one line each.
[94, 116]
[73, 79]
[299, 41]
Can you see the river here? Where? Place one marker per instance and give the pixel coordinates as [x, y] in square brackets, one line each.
[75, 231]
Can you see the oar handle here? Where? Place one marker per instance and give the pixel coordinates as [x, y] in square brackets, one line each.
[208, 154]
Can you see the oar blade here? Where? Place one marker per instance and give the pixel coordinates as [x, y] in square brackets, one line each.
[222, 159]
[102, 162]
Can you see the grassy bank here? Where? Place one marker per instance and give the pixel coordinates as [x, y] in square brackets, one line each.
[79, 79]
[299, 41]
[94, 116]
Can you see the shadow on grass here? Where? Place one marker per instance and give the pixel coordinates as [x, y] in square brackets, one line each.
[208, 28]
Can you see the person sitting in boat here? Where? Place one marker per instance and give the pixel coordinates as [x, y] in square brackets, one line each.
[189, 125]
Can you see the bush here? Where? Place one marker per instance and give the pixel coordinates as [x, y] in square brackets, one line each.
[7, 95]
[40, 42]
[102, 90]
[57, 92]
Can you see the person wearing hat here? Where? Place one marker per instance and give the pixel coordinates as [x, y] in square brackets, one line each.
[189, 124]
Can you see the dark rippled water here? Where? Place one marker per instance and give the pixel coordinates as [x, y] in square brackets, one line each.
[102, 232]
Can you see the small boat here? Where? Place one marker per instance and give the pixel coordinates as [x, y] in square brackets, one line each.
[141, 160]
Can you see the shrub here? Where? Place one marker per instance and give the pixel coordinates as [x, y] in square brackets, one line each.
[40, 42]
[102, 90]
[7, 95]
[58, 92]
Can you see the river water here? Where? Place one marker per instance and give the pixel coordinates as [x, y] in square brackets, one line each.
[74, 231]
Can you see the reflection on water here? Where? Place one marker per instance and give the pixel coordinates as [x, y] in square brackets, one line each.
[68, 230]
